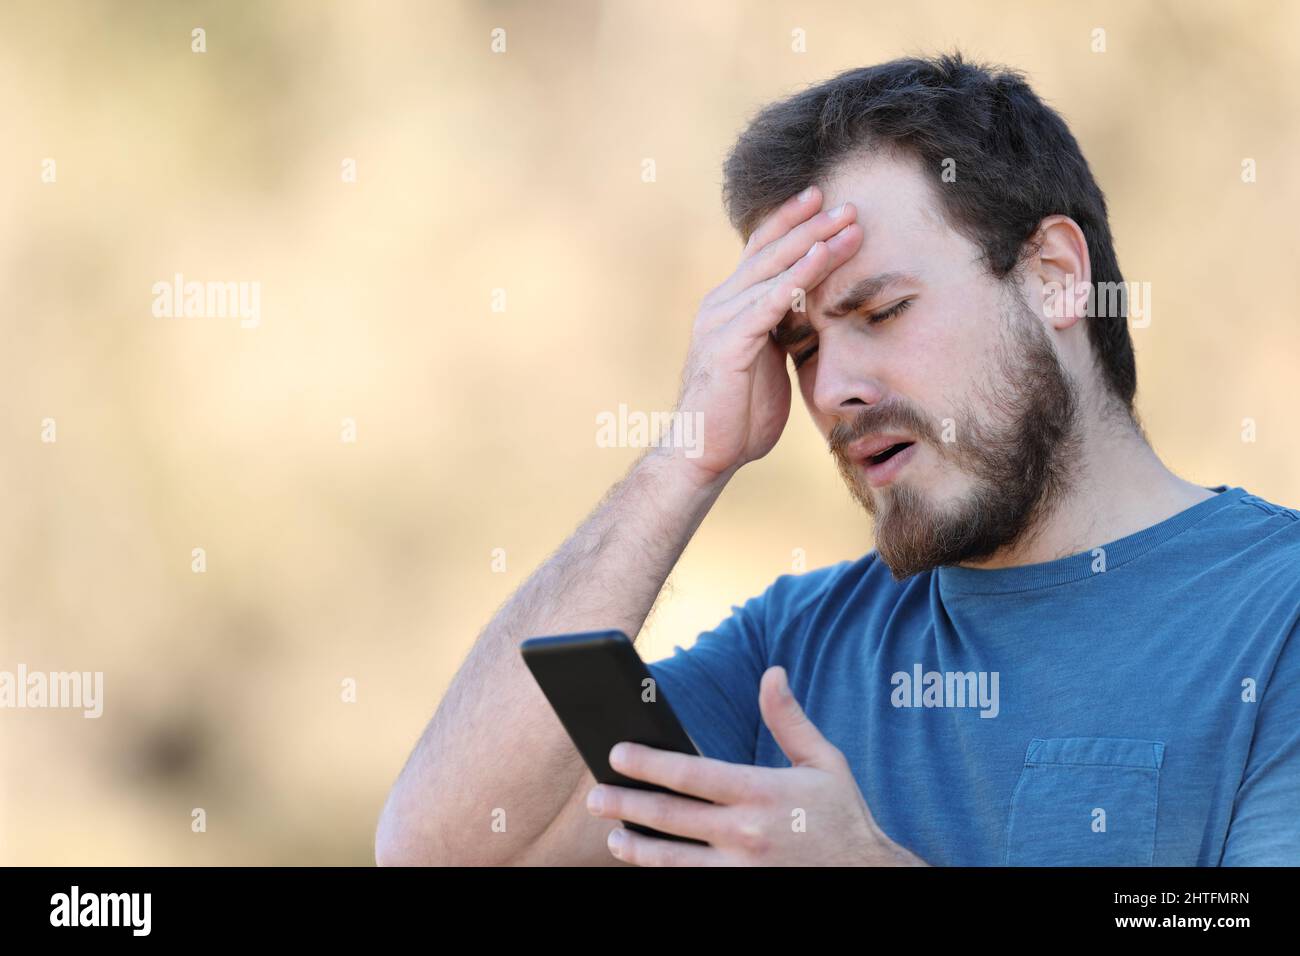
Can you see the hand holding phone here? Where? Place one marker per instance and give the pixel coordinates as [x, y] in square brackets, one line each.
[603, 693]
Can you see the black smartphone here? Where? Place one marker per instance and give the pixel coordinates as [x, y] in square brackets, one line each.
[603, 693]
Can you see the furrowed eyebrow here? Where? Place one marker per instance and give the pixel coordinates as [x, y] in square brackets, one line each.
[861, 292]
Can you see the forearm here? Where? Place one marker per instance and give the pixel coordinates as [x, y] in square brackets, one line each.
[494, 743]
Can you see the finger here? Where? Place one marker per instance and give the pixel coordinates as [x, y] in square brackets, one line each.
[642, 850]
[796, 735]
[690, 774]
[668, 812]
[766, 304]
[784, 251]
[782, 219]
[841, 246]
[772, 301]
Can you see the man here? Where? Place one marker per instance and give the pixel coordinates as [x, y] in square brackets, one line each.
[1060, 652]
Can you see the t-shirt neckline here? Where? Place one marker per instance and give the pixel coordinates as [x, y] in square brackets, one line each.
[1027, 577]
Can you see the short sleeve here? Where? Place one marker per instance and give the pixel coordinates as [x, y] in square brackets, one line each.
[1265, 827]
[713, 685]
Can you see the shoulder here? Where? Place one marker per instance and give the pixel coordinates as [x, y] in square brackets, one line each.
[1243, 563]
[1266, 535]
[1264, 514]
[1254, 511]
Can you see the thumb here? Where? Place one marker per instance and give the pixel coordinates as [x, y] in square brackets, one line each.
[796, 735]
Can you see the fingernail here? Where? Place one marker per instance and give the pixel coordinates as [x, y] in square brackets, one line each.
[596, 800]
[837, 211]
[806, 194]
[812, 249]
[615, 841]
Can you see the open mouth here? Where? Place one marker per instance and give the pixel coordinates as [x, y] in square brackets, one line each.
[888, 453]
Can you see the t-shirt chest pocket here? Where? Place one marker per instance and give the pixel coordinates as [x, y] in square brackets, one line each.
[1085, 801]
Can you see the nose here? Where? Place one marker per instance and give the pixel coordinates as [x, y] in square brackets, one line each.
[844, 384]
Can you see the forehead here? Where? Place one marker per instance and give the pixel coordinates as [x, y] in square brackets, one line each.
[898, 210]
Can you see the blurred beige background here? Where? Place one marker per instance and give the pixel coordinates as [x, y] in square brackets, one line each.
[372, 561]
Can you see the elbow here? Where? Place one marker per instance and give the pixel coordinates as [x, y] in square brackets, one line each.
[398, 841]
[388, 845]
[388, 851]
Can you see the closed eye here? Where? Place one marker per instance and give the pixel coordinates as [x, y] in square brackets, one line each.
[874, 318]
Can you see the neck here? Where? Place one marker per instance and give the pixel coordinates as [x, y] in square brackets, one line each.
[1119, 486]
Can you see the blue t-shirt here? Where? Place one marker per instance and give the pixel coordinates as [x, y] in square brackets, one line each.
[1134, 705]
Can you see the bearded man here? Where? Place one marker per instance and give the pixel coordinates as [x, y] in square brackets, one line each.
[1059, 652]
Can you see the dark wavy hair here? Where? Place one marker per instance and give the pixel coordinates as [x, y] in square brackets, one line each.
[1016, 164]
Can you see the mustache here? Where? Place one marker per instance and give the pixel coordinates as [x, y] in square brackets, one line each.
[878, 418]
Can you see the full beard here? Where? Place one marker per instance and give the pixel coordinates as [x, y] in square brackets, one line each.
[1020, 461]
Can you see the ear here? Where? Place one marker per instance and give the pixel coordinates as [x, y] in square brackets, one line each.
[1060, 273]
